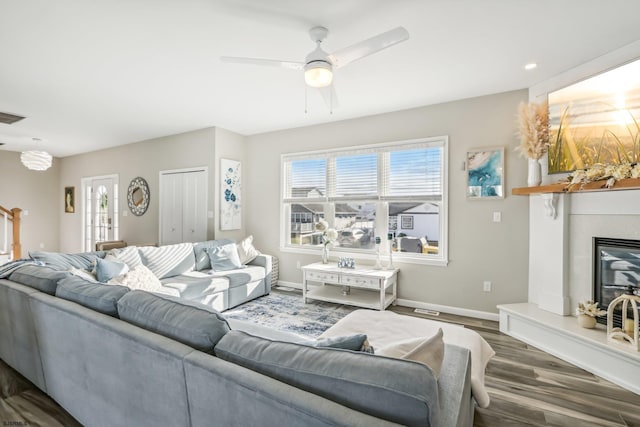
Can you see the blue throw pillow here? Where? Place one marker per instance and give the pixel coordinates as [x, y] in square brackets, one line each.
[107, 269]
[357, 342]
[224, 258]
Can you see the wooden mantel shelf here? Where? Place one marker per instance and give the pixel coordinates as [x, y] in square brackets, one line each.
[563, 187]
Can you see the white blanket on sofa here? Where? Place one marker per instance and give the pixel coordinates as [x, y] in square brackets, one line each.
[386, 327]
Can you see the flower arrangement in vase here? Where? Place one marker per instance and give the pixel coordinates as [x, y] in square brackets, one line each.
[533, 130]
[587, 312]
[329, 235]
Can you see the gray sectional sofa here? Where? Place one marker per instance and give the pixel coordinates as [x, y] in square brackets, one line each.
[184, 270]
[116, 357]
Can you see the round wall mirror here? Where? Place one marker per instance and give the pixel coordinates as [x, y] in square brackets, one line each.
[138, 196]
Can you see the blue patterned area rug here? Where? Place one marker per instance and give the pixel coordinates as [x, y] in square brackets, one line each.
[285, 311]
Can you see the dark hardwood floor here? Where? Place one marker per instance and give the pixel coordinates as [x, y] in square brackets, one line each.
[528, 387]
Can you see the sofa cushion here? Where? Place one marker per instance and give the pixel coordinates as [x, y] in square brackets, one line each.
[202, 258]
[128, 255]
[194, 324]
[42, 278]
[96, 296]
[169, 260]
[195, 284]
[224, 258]
[242, 276]
[405, 392]
[246, 251]
[108, 268]
[60, 261]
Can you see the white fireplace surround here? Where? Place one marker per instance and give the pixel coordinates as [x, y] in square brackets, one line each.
[561, 274]
[560, 251]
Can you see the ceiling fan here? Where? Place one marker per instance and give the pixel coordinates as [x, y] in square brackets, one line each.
[318, 66]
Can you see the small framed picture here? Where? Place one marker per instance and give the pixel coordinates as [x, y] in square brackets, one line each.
[406, 222]
[70, 199]
[485, 173]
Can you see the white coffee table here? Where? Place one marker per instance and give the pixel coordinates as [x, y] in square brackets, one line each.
[360, 286]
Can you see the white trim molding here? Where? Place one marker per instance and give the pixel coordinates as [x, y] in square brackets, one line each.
[449, 309]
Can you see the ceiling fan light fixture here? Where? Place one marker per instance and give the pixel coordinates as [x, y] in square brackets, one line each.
[318, 74]
[36, 160]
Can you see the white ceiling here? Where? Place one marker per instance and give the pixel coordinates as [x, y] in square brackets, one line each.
[95, 74]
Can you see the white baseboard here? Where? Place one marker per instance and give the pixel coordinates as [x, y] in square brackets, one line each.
[290, 284]
[448, 309]
[417, 304]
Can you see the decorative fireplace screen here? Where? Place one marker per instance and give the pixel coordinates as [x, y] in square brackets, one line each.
[616, 270]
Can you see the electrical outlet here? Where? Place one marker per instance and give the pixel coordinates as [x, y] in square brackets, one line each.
[41, 245]
[487, 286]
[298, 265]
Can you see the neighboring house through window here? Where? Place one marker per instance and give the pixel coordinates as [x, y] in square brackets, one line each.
[395, 190]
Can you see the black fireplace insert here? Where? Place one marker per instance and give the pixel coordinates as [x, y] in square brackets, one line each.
[616, 270]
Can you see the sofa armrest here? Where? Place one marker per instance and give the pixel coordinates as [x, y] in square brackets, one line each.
[266, 261]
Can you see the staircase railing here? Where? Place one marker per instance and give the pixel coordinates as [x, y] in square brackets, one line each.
[13, 216]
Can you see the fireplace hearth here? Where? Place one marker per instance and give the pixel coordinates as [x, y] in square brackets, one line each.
[616, 270]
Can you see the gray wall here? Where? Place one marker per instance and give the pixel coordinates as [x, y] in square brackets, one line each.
[479, 249]
[147, 159]
[36, 192]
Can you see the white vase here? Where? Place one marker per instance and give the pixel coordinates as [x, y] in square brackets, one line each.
[534, 177]
[586, 321]
[325, 254]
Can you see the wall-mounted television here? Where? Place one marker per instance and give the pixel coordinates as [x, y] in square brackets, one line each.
[596, 121]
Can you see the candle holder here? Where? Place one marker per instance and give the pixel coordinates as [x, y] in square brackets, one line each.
[390, 240]
[378, 265]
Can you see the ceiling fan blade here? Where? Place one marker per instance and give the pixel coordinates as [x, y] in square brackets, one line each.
[329, 95]
[342, 57]
[268, 62]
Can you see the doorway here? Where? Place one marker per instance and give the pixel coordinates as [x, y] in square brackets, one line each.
[100, 210]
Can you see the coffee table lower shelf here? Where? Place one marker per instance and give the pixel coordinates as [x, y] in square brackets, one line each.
[357, 297]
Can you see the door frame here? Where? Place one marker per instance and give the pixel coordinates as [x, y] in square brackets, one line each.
[204, 169]
[116, 191]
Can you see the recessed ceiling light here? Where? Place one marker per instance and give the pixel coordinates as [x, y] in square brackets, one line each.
[530, 66]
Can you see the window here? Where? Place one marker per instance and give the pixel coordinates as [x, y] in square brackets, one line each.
[394, 191]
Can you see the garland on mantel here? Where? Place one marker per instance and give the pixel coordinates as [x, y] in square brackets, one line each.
[598, 172]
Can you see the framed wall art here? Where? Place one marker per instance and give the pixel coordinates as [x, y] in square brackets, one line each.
[230, 195]
[485, 173]
[70, 199]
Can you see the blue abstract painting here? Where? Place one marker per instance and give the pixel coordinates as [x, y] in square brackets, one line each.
[230, 195]
[485, 173]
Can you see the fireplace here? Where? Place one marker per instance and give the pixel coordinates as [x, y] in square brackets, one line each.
[616, 270]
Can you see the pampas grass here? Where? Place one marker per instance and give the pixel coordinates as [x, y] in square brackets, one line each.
[533, 120]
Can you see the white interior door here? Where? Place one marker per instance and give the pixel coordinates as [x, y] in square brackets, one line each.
[171, 208]
[101, 211]
[183, 206]
[194, 208]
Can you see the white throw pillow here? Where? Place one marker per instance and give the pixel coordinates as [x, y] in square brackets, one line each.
[138, 278]
[246, 251]
[429, 351]
[129, 255]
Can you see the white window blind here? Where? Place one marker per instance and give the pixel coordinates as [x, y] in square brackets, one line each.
[356, 176]
[415, 173]
[306, 179]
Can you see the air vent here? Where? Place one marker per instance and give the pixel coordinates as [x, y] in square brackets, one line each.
[9, 118]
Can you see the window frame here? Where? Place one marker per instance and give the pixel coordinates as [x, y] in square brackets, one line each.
[382, 204]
